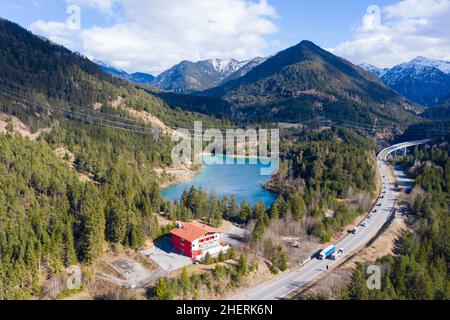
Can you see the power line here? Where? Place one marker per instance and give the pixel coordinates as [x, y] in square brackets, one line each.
[86, 117]
[140, 127]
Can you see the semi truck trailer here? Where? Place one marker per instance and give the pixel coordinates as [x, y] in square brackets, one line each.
[325, 253]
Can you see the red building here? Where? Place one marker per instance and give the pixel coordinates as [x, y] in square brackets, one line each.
[195, 239]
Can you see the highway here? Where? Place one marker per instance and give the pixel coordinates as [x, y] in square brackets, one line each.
[287, 282]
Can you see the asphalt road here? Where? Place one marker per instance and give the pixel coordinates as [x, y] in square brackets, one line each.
[287, 282]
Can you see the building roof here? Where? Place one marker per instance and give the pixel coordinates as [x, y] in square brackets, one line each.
[191, 231]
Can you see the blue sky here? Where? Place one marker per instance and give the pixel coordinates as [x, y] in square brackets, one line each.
[325, 22]
[152, 35]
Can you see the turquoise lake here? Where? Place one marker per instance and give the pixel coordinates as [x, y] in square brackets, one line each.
[244, 181]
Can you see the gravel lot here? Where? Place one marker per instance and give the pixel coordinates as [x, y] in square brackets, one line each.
[135, 274]
[165, 256]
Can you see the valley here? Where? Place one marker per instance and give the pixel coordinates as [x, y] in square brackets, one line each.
[90, 185]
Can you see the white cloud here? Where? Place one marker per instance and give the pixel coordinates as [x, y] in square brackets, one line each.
[153, 35]
[400, 32]
[98, 4]
[59, 32]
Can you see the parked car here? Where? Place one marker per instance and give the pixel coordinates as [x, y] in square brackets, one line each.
[364, 224]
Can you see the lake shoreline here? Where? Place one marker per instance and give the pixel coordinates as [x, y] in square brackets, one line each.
[190, 174]
[245, 182]
[176, 174]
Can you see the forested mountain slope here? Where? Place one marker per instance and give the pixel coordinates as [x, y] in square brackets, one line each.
[420, 270]
[422, 80]
[441, 112]
[49, 218]
[52, 76]
[305, 80]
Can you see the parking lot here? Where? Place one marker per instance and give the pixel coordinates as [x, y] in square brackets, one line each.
[134, 273]
[164, 255]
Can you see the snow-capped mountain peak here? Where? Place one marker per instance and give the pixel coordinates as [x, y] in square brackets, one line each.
[420, 61]
[422, 80]
[227, 66]
[205, 74]
[107, 66]
[138, 77]
[378, 72]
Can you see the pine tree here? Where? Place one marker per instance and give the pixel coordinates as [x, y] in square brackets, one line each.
[208, 259]
[357, 289]
[297, 205]
[215, 213]
[242, 267]
[283, 264]
[92, 231]
[245, 211]
[231, 253]
[185, 280]
[9, 126]
[163, 290]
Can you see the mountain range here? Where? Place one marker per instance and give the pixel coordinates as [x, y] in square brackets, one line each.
[306, 80]
[440, 112]
[137, 77]
[296, 84]
[190, 76]
[377, 72]
[422, 80]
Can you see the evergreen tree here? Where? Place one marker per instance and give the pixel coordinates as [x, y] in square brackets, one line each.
[163, 290]
[92, 227]
[215, 213]
[185, 280]
[245, 211]
[297, 205]
[9, 126]
[242, 267]
[357, 289]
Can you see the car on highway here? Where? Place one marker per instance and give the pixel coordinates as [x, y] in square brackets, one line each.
[282, 287]
[337, 254]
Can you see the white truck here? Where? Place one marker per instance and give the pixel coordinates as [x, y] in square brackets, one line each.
[337, 254]
[328, 251]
